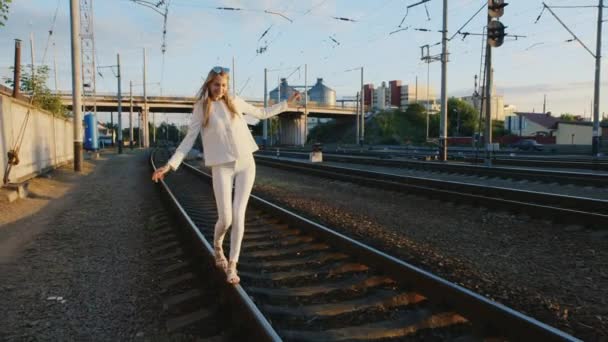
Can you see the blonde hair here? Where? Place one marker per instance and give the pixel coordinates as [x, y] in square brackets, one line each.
[205, 95]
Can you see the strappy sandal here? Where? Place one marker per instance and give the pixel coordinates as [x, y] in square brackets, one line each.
[220, 259]
[231, 276]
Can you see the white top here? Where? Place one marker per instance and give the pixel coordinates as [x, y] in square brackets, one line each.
[224, 139]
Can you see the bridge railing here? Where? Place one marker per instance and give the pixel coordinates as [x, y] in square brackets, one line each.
[156, 98]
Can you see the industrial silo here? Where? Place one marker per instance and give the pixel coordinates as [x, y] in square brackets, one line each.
[322, 94]
[286, 91]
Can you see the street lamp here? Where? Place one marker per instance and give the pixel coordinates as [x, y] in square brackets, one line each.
[139, 124]
[117, 74]
[428, 59]
[360, 133]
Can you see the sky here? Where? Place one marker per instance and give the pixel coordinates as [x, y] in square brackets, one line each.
[199, 36]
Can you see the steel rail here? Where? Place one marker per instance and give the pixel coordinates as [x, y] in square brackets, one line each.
[254, 322]
[543, 175]
[566, 209]
[489, 318]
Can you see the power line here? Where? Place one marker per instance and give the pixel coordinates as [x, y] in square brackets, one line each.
[51, 31]
[566, 27]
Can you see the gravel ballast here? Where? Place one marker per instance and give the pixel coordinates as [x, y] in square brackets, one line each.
[555, 273]
[77, 267]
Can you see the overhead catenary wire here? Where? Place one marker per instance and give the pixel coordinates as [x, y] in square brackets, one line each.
[567, 28]
[51, 30]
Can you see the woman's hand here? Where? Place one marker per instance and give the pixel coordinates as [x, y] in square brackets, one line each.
[295, 96]
[160, 173]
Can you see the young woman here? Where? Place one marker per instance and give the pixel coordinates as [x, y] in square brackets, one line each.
[228, 149]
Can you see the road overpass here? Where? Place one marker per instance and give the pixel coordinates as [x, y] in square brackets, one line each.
[183, 104]
[292, 122]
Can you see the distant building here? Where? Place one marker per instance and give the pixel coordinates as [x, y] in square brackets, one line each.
[397, 95]
[497, 105]
[509, 109]
[531, 124]
[574, 133]
[381, 97]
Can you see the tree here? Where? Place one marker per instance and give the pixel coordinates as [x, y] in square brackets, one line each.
[416, 115]
[498, 129]
[567, 117]
[462, 118]
[165, 132]
[4, 11]
[35, 85]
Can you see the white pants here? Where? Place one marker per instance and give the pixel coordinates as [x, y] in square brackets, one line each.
[242, 174]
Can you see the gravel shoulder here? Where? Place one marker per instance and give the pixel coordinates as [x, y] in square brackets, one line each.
[75, 262]
[557, 274]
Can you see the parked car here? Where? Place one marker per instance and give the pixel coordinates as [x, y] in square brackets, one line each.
[528, 145]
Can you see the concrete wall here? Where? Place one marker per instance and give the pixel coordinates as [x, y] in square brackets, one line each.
[570, 134]
[47, 141]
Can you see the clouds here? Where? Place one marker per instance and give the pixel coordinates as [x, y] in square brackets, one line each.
[200, 36]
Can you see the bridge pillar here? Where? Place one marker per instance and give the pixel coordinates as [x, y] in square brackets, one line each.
[293, 129]
[146, 129]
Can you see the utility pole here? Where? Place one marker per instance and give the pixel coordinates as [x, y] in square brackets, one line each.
[357, 132]
[305, 104]
[139, 139]
[278, 100]
[428, 99]
[76, 83]
[362, 111]
[596, 89]
[359, 135]
[112, 126]
[265, 124]
[119, 106]
[87, 43]
[545, 104]
[496, 35]
[425, 55]
[55, 68]
[17, 70]
[597, 56]
[488, 104]
[443, 126]
[33, 66]
[416, 94]
[145, 110]
[131, 114]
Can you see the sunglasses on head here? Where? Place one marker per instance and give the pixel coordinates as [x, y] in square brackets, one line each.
[219, 70]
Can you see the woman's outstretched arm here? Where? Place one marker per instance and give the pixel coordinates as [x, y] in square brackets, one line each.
[194, 129]
[260, 113]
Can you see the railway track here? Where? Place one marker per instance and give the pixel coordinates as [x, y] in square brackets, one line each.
[311, 283]
[542, 175]
[560, 208]
[198, 303]
[189, 307]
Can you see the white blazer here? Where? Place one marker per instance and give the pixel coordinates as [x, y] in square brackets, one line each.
[225, 139]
